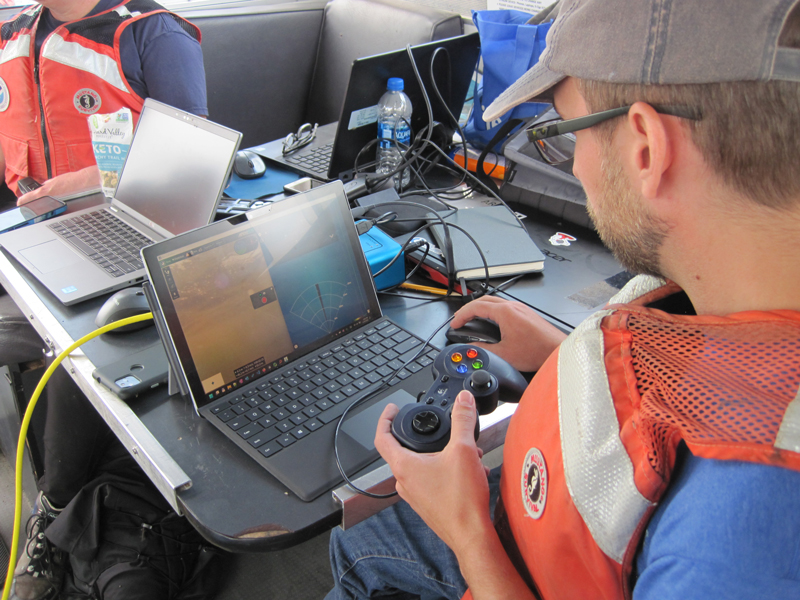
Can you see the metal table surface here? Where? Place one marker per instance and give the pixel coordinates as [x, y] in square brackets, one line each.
[232, 501]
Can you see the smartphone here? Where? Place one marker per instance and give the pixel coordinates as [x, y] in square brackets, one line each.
[28, 184]
[140, 372]
[32, 212]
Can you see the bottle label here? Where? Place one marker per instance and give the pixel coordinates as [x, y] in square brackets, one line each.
[403, 133]
[385, 133]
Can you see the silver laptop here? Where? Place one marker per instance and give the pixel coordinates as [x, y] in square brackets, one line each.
[273, 325]
[172, 180]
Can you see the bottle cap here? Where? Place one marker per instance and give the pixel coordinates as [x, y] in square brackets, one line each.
[395, 84]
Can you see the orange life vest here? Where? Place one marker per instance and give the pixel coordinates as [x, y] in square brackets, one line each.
[43, 128]
[592, 446]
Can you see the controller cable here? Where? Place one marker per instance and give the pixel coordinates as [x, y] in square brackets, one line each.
[369, 393]
[23, 434]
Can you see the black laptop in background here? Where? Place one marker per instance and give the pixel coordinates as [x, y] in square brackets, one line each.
[332, 154]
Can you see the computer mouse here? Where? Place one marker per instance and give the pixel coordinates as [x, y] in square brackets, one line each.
[475, 330]
[248, 165]
[124, 303]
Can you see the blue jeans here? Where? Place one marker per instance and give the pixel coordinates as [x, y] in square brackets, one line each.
[394, 554]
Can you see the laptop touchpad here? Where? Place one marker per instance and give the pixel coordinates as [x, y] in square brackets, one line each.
[362, 427]
[50, 256]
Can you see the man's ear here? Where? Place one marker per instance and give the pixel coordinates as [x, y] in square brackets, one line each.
[650, 149]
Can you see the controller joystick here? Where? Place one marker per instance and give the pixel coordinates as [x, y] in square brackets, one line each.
[425, 426]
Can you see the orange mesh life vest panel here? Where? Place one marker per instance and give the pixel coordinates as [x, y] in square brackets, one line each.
[606, 414]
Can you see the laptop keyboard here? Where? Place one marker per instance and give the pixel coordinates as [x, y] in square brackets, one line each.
[108, 241]
[286, 407]
[313, 159]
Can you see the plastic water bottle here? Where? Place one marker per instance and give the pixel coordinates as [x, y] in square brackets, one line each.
[394, 123]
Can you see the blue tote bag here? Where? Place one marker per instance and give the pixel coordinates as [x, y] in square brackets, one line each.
[509, 47]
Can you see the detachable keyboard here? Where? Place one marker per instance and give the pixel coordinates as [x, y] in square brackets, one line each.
[288, 406]
[105, 239]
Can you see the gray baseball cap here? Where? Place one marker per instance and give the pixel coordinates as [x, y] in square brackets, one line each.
[658, 42]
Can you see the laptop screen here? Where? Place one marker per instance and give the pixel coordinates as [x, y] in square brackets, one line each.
[248, 295]
[173, 146]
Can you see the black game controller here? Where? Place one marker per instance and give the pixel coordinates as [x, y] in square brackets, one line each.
[425, 426]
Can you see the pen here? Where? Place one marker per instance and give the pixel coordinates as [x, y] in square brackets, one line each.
[426, 288]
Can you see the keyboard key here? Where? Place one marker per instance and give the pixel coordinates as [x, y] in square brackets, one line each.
[362, 384]
[238, 423]
[298, 419]
[308, 399]
[311, 411]
[281, 413]
[271, 448]
[287, 440]
[313, 425]
[344, 379]
[379, 361]
[337, 397]
[300, 432]
[390, 330]
[410, 344]
[267, 421]
[250, 431]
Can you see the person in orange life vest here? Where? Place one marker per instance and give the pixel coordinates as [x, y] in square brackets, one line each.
[153, 53]
[55, 73]
[666, 445]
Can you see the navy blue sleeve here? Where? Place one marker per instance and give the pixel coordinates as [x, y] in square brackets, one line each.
[725, 529]
[161, 61]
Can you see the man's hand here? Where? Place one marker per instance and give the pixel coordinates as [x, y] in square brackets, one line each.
[527, 339]
[64, 185]
[448, 489]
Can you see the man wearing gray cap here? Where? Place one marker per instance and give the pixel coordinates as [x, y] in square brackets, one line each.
[656, 452]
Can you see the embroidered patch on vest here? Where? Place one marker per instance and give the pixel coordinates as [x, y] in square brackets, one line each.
[87, 101]
[5, 96]
[534, 483]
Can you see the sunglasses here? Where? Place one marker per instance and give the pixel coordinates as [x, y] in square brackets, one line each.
[554, 139]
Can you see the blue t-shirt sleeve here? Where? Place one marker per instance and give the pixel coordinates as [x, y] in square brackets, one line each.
[163, 62]
[725, 529]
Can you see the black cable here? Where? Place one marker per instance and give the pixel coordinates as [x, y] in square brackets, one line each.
[385, 383]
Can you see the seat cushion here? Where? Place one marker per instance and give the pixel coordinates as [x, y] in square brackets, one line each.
[354, 29]
[19, 342]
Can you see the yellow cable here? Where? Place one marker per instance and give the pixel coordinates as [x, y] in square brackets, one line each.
[23, 433]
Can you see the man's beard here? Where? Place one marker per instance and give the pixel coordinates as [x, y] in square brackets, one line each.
[632, 234]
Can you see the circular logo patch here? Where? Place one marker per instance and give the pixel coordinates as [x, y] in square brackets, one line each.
[87, 101]
[534, 483]
[5, 97]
